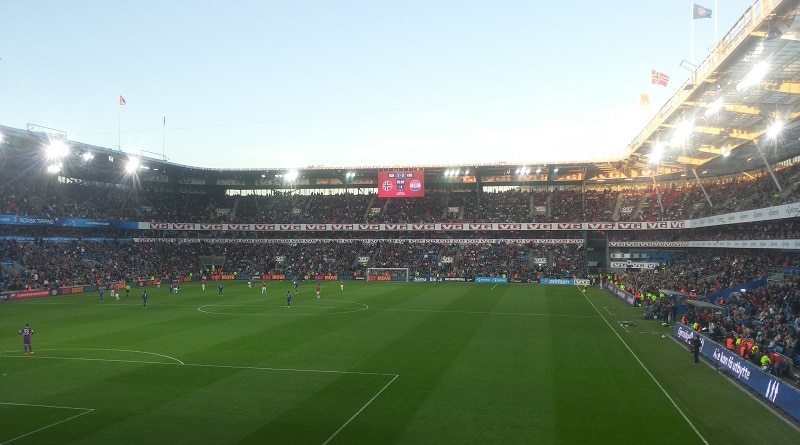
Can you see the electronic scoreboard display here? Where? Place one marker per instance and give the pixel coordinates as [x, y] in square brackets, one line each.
[401, 184]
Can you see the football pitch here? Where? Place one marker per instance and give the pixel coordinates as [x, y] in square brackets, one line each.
[377, 363]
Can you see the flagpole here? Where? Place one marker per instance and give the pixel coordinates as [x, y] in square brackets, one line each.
[164, 138]
[716, 15]
[691, 17]
[119, 126]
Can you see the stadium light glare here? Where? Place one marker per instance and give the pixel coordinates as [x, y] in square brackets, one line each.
[753, 77]
[656, 153]
[775, 129]
[87, 156]
[54, 168]
[539, 170]
[726, 152]
[132, 165]
[291, 175]
[682, 132]
[714, 107]
[56, 149]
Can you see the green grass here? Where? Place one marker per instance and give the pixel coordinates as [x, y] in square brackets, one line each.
[380, 363]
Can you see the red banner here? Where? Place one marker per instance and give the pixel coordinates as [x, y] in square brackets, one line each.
[24, 295]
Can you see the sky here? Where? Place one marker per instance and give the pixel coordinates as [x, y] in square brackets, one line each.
[267, 84]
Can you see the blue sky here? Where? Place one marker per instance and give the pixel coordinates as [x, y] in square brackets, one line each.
[267, 84]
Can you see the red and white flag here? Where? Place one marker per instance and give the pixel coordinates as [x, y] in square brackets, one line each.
[658, 78]
[122, 100]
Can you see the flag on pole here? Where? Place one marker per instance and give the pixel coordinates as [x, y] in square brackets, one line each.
[658, 78]
[122, 100]
[699, 12]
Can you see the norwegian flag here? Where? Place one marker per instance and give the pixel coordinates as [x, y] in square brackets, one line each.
[122, 100]
[658, 78]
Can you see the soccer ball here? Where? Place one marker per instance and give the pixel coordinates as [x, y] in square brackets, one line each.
[663, 336]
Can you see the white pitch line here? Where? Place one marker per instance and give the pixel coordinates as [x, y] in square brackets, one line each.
[255, 368]
[85, 359]
[115, 350]
[45, 406]
[680, 411]
[344, 425]
[85, 411]
[259, 368]
[199, 365]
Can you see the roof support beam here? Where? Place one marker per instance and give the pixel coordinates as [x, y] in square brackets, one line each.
[782, 87]
[690, 161]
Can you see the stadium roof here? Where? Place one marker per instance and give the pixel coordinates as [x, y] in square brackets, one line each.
[728, 107]
[724, 110]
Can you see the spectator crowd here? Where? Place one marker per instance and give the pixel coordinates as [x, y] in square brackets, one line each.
[765, 320]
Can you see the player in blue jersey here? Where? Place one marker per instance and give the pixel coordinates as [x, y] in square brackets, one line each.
[221, 288]
[144, 299]
[26, 334]
[296, 286]
[102, 293]
[289, 299]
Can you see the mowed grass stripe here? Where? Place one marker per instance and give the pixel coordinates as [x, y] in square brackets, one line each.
[475, 363]
[497, 381]
[191, 404]
[429, 344]
[38, 418]
[606, 388]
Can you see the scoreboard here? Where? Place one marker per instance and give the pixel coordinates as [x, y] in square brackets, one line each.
[401, 184]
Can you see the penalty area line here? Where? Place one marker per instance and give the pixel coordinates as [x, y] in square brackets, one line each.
[344, 425]
[85, 411]
[201, 365]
